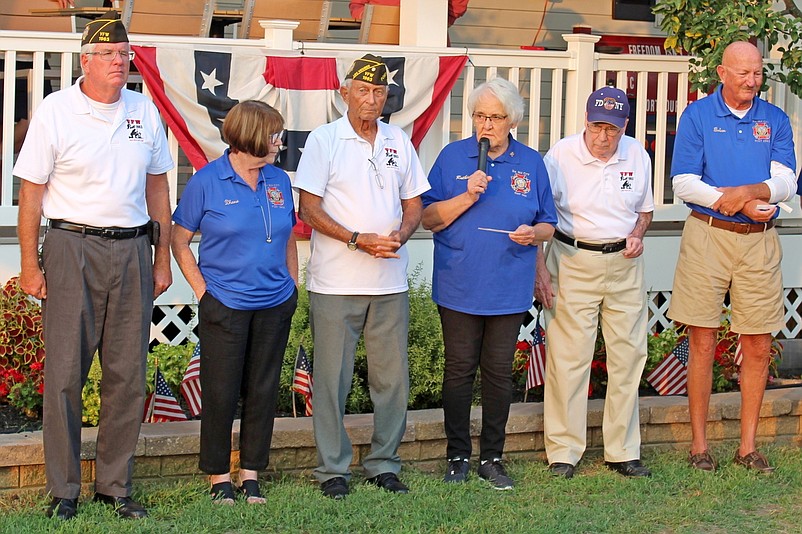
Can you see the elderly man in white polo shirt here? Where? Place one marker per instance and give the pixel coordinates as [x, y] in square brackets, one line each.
[601, 181]
[360, 183]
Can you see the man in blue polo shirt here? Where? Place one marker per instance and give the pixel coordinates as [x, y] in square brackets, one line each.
[733, 160]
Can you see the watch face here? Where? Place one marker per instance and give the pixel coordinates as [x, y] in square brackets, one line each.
[351, 246]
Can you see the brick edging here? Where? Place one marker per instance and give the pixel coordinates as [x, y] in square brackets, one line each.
[169, 450]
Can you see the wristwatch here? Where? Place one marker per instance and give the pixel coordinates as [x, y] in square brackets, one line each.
[352, 242]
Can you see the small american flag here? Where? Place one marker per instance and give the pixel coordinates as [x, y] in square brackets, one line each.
[190, 385]
[161, 406]
[739, 353]
[671, 376]
[302, 379]
[536, 365]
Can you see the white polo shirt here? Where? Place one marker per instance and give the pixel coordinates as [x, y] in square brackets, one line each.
[362, 188]
[599, 201]
[95, 170]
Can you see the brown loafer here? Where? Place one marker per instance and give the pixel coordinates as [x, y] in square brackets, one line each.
[755, 461]
[702, 461]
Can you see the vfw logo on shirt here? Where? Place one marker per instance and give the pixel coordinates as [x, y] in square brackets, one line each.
[391, 157]
[625, 180]
[520, 182]
[134, 128]
[761, 130]
[275, 196]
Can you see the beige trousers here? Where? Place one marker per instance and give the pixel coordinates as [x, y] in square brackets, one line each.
[588, 285]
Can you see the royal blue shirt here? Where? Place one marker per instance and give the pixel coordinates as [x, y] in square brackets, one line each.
[727, 151]
[240, 267]
[480, 272]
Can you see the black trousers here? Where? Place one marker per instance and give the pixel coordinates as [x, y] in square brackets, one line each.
[241, 356]
[486, 342]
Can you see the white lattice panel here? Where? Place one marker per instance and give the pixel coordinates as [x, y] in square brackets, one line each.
[178, 321]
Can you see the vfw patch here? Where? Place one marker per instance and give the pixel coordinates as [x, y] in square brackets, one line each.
[391, 156]
[625, 180]
[275, 195]
[761, 130]
[520, 182]
[134, 127]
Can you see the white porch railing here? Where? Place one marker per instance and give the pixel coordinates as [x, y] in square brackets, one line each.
[555, 85]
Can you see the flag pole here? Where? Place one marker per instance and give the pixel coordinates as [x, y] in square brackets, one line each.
[156, 365]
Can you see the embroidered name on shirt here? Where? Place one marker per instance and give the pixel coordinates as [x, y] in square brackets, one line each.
[761, 130]
[462, 176]
[626, 178]
[391, 156]
[134, 127]
[275, 196]
[716, 129]
[520, 182]
[229, 202]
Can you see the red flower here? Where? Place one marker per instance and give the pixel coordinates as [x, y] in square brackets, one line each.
[37, 366]
[3, 390]
[522, 346]
[41, 389]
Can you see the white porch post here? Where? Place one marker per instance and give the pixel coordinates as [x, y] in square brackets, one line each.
[278, 33]
[424, 23]
[578, 79]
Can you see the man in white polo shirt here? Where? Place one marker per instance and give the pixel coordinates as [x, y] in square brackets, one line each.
[360, 183]
[592, 268]
[94, 164]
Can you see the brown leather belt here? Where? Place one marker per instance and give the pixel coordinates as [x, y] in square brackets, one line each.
[604, 248]
[738, 228]
[108, 233]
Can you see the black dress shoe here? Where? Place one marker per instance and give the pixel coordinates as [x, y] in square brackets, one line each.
[632, 468]
[390, 482]
[124, 506]
[559, 469]
[336, 488]
[62, 508]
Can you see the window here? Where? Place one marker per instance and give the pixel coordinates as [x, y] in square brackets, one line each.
[633, 10]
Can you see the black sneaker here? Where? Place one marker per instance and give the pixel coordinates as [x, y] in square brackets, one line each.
[457, 470]
[493, 471]
[336, 488]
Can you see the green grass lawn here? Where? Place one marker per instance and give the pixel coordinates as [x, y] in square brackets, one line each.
[675, 500]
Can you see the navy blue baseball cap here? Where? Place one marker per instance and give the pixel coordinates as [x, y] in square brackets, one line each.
[610, 105]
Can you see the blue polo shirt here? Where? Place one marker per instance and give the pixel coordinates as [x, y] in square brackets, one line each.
[479, 272]
[241, 269]
[727, 151]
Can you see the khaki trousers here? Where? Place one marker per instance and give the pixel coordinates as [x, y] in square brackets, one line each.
[588, 285]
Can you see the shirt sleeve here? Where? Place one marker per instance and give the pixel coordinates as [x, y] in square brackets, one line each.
[314, 167]
[190, 209]
[689, 187]
[547, 212]
[782, 183]
[415, 182]
[435, 193]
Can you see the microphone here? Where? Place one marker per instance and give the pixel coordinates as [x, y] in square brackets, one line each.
[484, 146]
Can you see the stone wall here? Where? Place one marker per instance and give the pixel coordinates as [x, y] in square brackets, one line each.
[169, 450]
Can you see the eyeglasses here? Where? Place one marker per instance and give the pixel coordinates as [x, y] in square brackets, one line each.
[495, 119]
[595, 128]
[376, 173]
[111, 55]
[277, 137]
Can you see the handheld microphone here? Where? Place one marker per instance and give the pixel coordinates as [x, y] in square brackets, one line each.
[484, 147]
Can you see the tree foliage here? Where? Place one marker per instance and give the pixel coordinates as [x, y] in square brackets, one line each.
[703, 28]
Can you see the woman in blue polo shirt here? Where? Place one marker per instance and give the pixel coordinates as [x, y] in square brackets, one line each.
[487, 225]
[245, 280]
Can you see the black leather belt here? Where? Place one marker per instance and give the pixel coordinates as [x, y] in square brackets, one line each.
[112, 232]
[604, 248]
